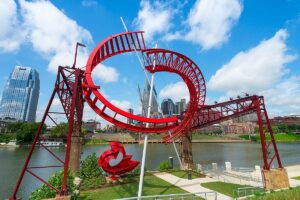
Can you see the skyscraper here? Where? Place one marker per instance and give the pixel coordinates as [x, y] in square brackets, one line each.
[180, 106]
[168, 107]
[20, 95]
[145, 100]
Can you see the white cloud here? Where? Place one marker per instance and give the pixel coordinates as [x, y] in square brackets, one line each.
[124, 105]
[256, 69]
[154, 18]
[11, 35]
[175, 91]
[53, 34]
[105, 73]
[210, 21]
[284, 98]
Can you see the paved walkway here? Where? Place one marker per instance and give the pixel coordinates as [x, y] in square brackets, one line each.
[293, 171]
[192, 186]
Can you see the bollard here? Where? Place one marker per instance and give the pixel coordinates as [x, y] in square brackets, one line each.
[189, 175]
[199, 168]
[214, 166]
[228, 166]
[171, 164]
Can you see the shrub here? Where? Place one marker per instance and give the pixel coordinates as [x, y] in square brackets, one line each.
[6, 137]
[90, 173]
[89, 167]
[164, 165]
[56, 180]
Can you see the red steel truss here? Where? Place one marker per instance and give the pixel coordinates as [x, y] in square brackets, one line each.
[211, 114]
[68, 88]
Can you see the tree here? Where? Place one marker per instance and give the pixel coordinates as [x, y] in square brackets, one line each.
[13, 127]
[60, 131]
[27, 131]
[283, 128]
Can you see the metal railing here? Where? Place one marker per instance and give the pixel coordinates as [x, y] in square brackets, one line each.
[246, 191]
[183, 196]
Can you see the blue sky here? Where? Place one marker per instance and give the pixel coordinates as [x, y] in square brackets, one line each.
[240, 46]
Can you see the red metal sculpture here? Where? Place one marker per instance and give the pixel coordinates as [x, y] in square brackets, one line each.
[125, 165]
[73, 86]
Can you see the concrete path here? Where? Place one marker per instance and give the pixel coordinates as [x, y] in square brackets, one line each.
[293, 171]
[192, 186]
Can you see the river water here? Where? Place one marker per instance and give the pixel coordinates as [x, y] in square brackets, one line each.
[239, 154]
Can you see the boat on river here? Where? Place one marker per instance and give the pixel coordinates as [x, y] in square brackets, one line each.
[49, 143]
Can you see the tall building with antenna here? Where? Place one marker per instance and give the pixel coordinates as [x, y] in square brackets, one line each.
[20, 95]
[144, 99]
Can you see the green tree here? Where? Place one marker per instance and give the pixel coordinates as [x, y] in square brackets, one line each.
[13, 127]
[60, 131]
[90, 173]
[283, 128]
[275, 129]
[27, 131]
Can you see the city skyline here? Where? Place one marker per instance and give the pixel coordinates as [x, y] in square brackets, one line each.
[20, 95]
[251, 45]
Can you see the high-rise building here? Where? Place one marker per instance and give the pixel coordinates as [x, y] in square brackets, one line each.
[145, 100]
[180, 106]
[129, 120]
[168, 107]
[20, 95]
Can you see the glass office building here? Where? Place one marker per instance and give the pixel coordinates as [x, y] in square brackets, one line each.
[20, 95]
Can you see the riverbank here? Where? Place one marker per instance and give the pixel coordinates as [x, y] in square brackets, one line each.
[127, 138]
[239, 154]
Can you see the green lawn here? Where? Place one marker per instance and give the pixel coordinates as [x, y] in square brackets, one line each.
[279, 137]
[224, 188]
[184, 174]
[297, 178]
[291, 194]
[152, 186]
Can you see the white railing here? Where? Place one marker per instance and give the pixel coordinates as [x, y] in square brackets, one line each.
[246, 191]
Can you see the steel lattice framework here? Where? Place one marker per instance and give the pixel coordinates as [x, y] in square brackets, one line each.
[74, 86]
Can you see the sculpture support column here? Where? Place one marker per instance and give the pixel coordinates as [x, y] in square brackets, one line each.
[186, 154]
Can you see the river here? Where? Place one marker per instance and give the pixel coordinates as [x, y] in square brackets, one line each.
[239, 154]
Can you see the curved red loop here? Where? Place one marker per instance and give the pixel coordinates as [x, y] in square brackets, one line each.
[125, 165]
[167, 61]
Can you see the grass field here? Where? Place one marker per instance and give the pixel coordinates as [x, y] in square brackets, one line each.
[224, 188]
[297, 178]
[280, 137]
[291, 194]
[184, 174]
[152, 186]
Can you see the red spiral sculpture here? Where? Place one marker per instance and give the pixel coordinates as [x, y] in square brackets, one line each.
[125, 165]
[166, 61]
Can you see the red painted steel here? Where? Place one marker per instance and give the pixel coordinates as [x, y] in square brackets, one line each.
[68, 89]
[73, 86]
[125, 165]
[104, 50]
